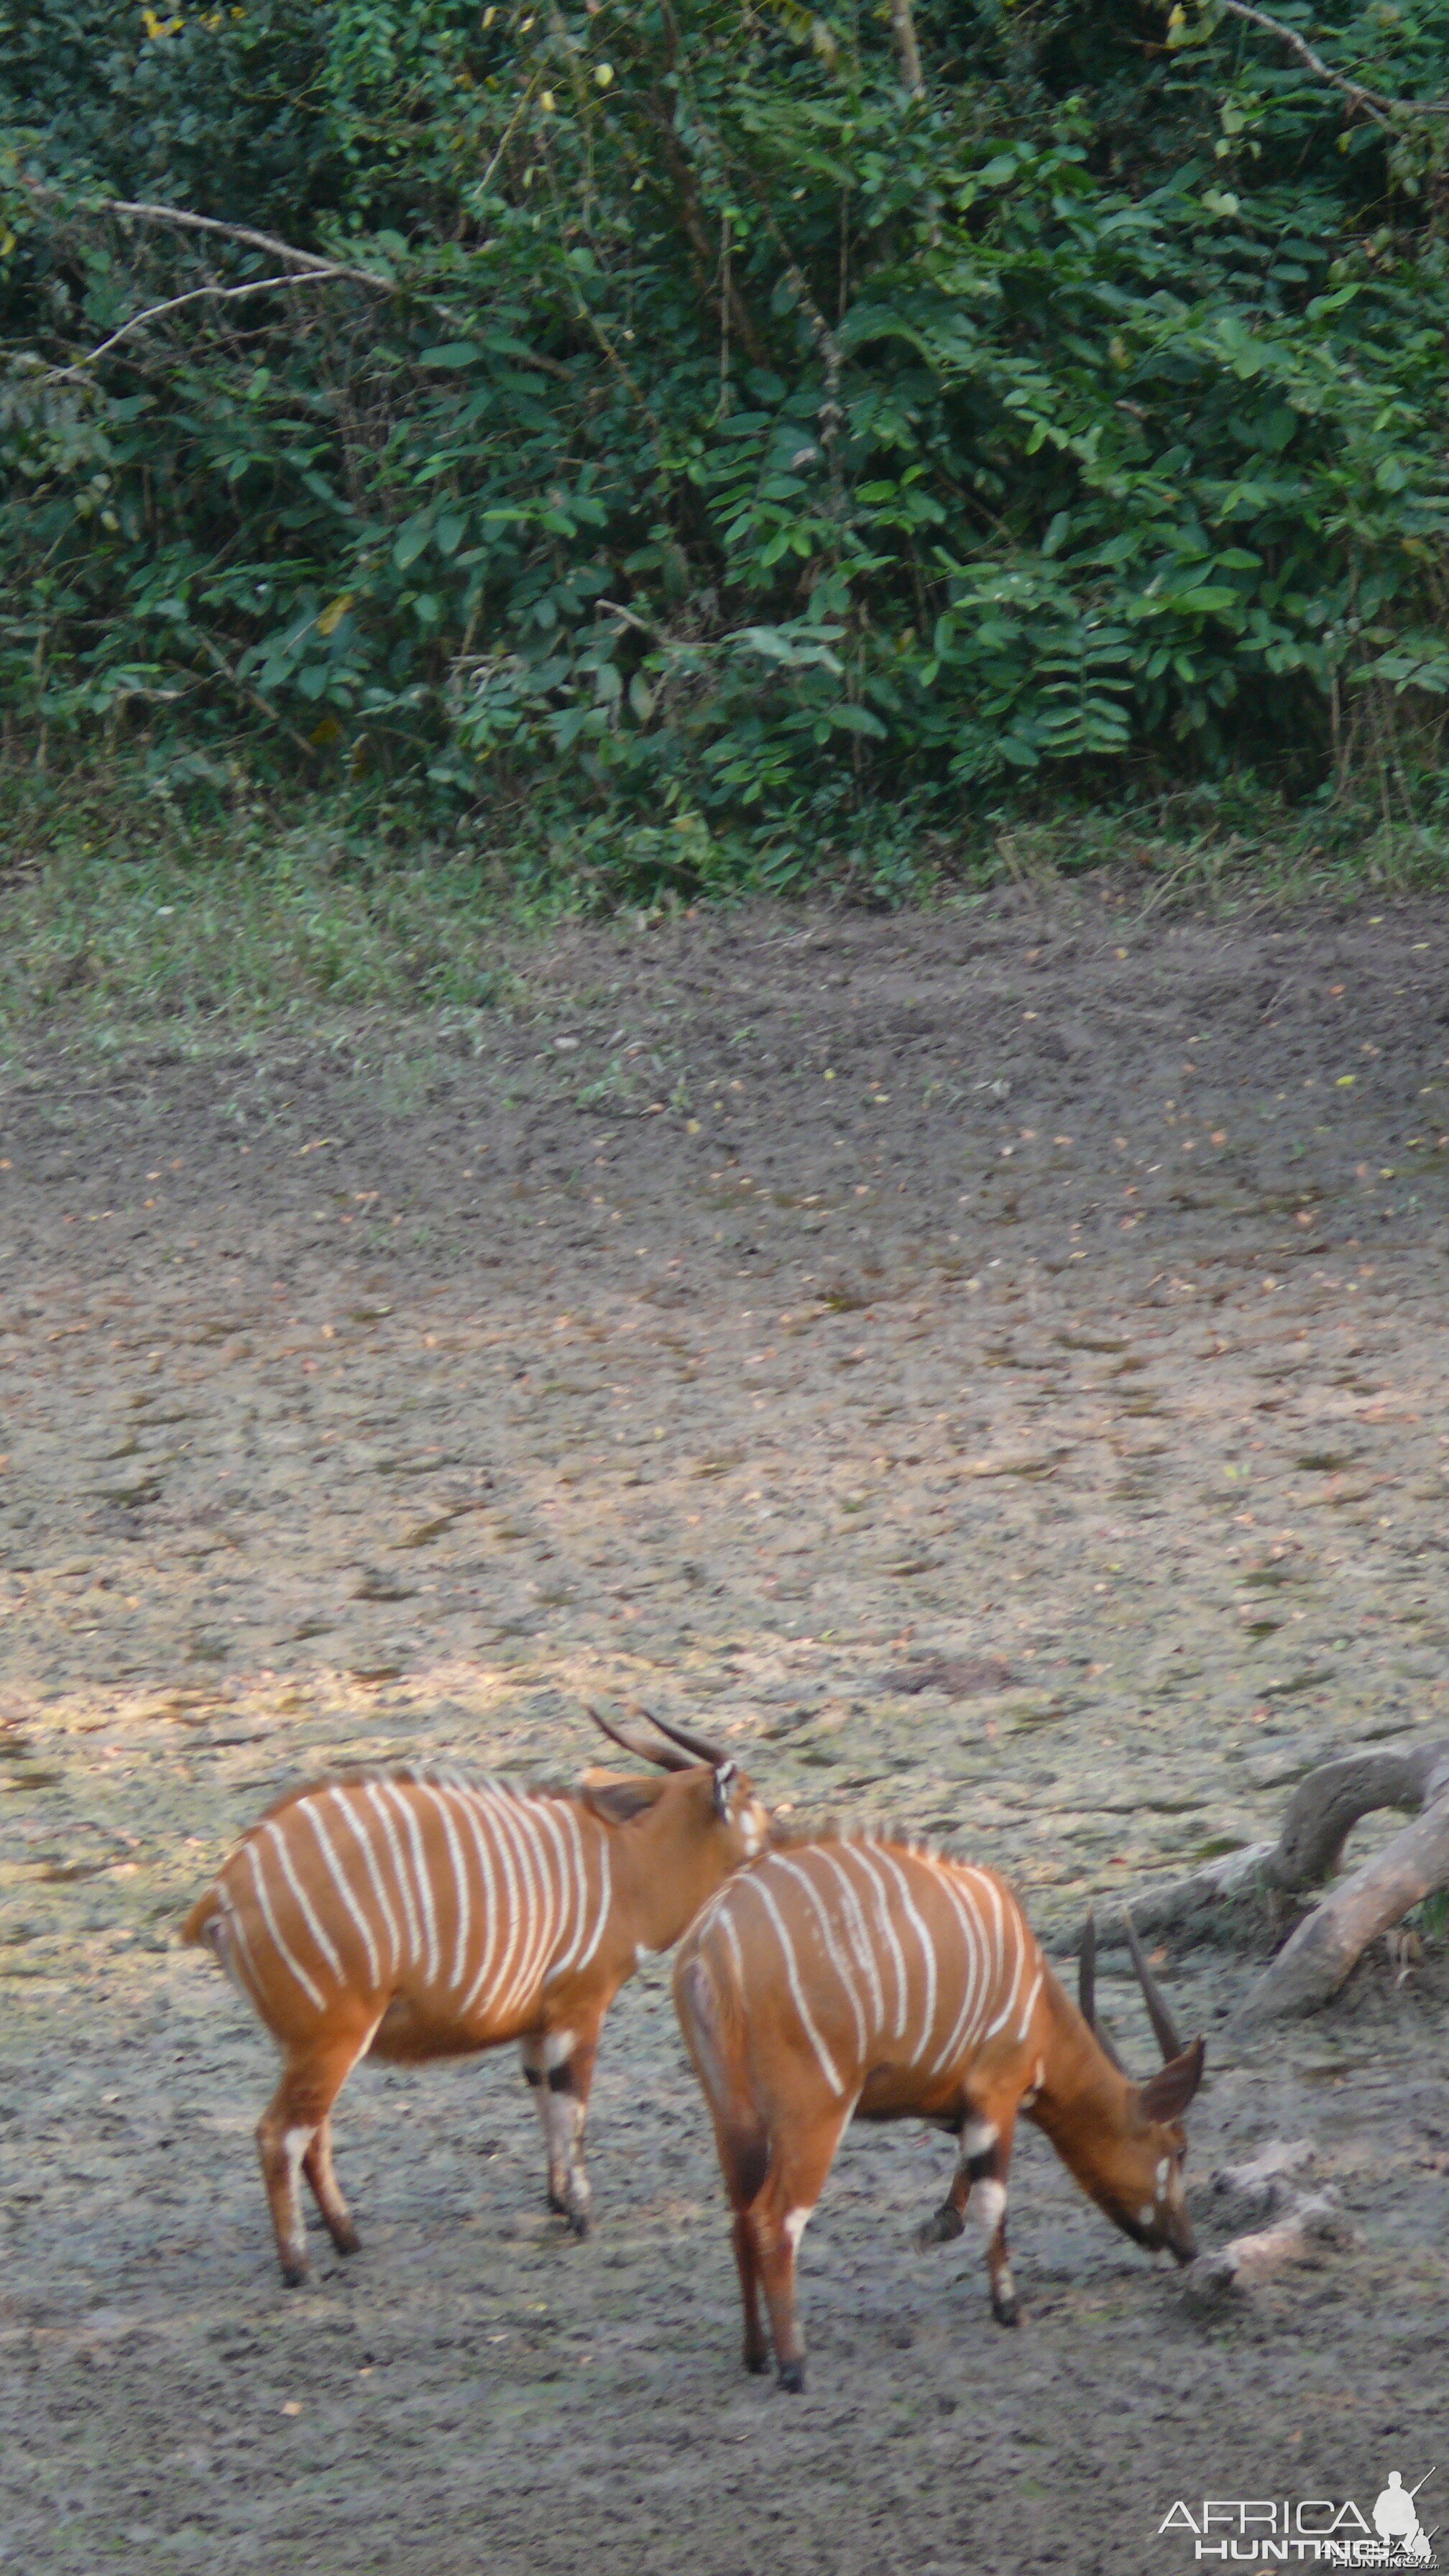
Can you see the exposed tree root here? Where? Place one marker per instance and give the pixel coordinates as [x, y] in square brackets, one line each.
[1322, 1812]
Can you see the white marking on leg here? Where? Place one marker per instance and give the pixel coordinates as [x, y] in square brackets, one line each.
[977, 2136]
[988, 2204]
[558, 2046]
[795, 2223]
[1146, 2215]
[1163, 2170]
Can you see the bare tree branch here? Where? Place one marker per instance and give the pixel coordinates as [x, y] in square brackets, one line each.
[307, 263]
[1373, 103]
[195, 295]
[180, 219]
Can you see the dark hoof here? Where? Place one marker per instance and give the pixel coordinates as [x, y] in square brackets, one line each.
[941, 2228]
[757, 2361]
[559, 2207]
[792, 2376]
[1006, 2312]
[346, 2240]
[579, 2221]
[294, 2275]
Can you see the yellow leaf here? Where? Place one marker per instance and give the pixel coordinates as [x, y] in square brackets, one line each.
[334, 612]
[603, 74]
[327, 730]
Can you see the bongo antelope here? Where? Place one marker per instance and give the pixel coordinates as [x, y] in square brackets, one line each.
[862, 1976]
[418, 1912]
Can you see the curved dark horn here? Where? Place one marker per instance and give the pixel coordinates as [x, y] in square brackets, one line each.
[699, 1746]
[1087, 1971]
[638, 1745]
[1087, 1989]
[1157, 2012]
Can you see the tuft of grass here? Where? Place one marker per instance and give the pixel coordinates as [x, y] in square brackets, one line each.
[133, 897]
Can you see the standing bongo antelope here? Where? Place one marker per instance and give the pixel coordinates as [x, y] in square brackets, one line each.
[859, 1976]
[415, 1913]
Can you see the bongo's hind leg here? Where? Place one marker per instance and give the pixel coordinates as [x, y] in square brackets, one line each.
[778, 2217]
[744, 2157]
[318, 2167]
[294, 2131]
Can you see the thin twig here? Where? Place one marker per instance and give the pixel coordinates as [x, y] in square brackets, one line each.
[181, 218]
[308, 262]
[153, 312]
[1382, 110]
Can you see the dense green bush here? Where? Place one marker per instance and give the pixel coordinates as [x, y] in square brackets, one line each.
[703, 422]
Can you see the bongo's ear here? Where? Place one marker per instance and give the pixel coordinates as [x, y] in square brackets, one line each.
[1166, 2095]
[615, 1801]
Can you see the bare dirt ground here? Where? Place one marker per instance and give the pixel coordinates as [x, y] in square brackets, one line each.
[768, 1313]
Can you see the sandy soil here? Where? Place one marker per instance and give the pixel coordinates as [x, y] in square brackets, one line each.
[767, 1314]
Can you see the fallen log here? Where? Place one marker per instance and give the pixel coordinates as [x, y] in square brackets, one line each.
[1411, 1776]
[1306, 2227]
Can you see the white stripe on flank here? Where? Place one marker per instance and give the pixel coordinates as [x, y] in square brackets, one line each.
[443, 1802]
[235, 1929]
[576, 1871]
[841, 1966]
[339, 1881]
[269, 1918]
[507, 1831]
[310, 1917]
[545, 1906]
[726, 1926]
[928, 1948]
[858, 1936]
[401, 1881]
[974, 1950]
[510, 1911]
[424, 1876]
[1013, 1990]
[755, 1883]
[864, 1853]
[606, 1897]
[552, 1818]
[488, 1891]
[1029, 2007]
[356, 1826]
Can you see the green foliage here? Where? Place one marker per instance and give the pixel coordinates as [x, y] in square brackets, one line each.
[704, 427]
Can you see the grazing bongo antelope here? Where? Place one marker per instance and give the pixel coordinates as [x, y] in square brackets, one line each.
[858, 1976]
[417, 1912]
